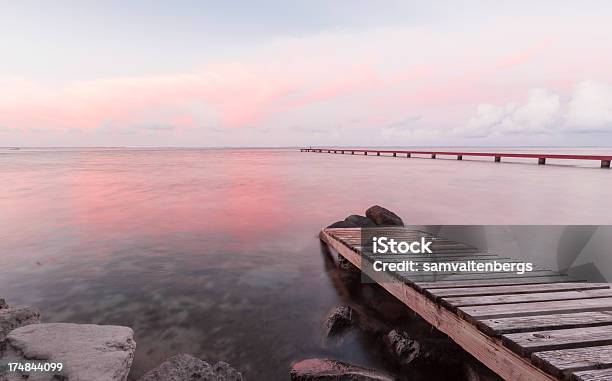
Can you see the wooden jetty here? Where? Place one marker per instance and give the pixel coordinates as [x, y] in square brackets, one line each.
[531, 327]
[604, 159]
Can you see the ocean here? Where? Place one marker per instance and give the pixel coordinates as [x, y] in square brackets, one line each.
[215, 252]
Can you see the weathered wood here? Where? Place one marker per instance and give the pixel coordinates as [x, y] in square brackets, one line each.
[525, 343]
[493, 282]
[593, 375]
[498, 317]
[489, 351]
[518, 289]
[523, 298]
[561, 363]
[500, 326]
[535, 308]
[437, 277]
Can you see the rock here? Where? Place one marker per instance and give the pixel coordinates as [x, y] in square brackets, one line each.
[15, 317]
[87, 351]
[343, 224]
[3, 304]
[185, 367]
[360, 221]
[384, 217]
[224, 372]
[339, 319]
[402, 347]
[329, 370]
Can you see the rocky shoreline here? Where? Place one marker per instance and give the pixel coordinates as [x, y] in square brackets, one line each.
[415, 350]
[105, 352]
[87, 352]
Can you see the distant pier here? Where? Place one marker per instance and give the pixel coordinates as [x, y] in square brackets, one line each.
[603, 159]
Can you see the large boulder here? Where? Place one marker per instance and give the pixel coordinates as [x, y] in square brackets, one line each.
[360, 221]
[330, 370]
[339, 320]
[354, 221]
[402, 347]
[185, 367]
[15, 317]
[87, 351]
[383, 217]
[342, 224]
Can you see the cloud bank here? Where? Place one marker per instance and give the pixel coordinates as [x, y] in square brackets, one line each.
[407, 85]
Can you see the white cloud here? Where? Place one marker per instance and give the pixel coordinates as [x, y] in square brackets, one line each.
[539, 113]
[590, 107]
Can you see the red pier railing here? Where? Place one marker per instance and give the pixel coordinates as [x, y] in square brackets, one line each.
[604, 159]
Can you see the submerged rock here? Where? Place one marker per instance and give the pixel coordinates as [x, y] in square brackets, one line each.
[402, 347]
[87, 351]
[339, 319]
[329, 370]
[383, 217]
[15, 317]
[185, 367]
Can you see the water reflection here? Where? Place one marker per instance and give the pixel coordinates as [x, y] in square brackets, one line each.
[215, 252]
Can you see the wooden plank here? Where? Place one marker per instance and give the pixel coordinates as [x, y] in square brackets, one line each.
[518, 289]
[437, 277]
[526, 343]
[500, 326]
[593, 375]
[535, 308]
[450, 257]
[493, 282]
[561, 363]
[463, 301]
[487, 350]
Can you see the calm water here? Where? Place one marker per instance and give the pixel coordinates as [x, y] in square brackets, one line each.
[214, 252]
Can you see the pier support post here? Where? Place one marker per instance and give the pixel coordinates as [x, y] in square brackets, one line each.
[365, 153]
[541, 160]
[433, 155]
[352, 152]
[497, 159]
[342, 152]
[394, 154]
[377, 153]
[408, 154]
[459, 157]
[605, 163]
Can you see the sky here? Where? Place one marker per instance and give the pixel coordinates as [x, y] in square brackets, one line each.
[308, 73]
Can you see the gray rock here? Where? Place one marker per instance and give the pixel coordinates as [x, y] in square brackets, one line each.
[15, 317]
[343, 224]
[224, 372]
[87, 351]
[339, 319]
[331, 370]
[383, 217]
[3, 304]
[185, 367]
[402, 347]
[360, 221]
